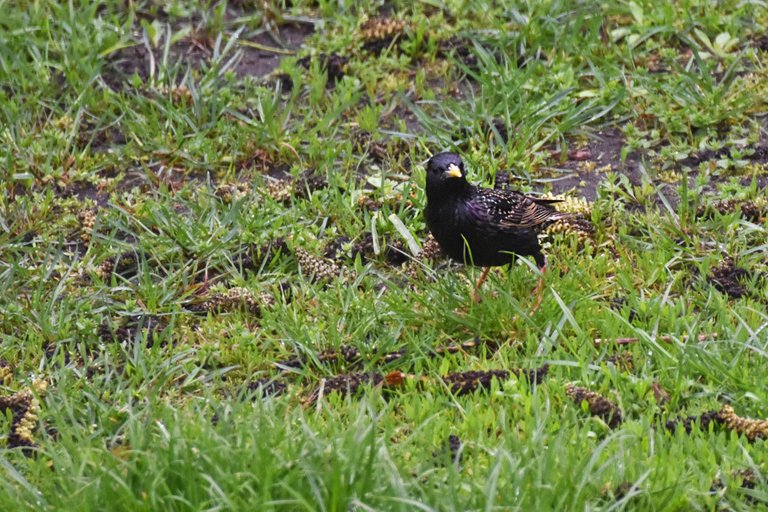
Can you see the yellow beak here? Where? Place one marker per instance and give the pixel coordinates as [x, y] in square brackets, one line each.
[453, 171]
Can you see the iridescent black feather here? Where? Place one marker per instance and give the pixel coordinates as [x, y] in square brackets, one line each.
[482, 226]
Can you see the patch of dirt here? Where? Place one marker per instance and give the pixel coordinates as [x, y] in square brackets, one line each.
[254, 257]
[392, 120]
[379, 151]
[125, 265]
[195, 50]
[728, 278]
[308, 182]
[660, 394]
[349, 355]
[589, 164]
[619, 492]
[394, 252]
[335, 65]
[268, 387]
[758, 155]
[283, 80]
[129, 330]
[232, 192]
[749, 481]
[345, 354]
[253, 158]
[100, 139]
[760, 43]
[82, 190]
[283, 188]
[259, 62]
[687, 423]
[460, 49]
[122, 64]
[451, 450]
[749, 210]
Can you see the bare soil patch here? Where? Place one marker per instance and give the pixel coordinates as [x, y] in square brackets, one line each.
[587, 165]
[259, 62]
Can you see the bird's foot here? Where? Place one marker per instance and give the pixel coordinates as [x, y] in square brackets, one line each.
[538, 292]
[476, 292]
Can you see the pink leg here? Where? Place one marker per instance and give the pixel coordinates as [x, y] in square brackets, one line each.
[483, 277]
[538, 291]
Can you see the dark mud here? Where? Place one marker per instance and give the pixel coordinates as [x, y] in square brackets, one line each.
[133, 329]
[259, 62]
[585, 168]
[335, 65]
[729, 279]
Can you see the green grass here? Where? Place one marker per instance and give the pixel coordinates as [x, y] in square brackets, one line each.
[125, 129]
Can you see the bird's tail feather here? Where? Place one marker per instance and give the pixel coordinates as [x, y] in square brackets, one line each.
[545, 202]
[563, 216]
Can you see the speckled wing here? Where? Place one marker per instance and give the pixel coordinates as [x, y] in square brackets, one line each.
[513, 210]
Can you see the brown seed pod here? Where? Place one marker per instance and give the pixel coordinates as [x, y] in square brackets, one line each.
[6, 373]
[125, 265]
[572, 204]
[431, 249]
[236, 298]
[381, 28]
[24, 409]
[599, 406]
[579, 227]
[346, 384]
[467, 382]
[623, 361]
[751, 428]
[318, 269]
[87, 220]
[749, 480]
[280, 190]
[230, 192]
[451, 449]
[704, 420]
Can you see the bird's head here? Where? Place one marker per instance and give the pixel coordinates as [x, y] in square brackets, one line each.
[445, 171]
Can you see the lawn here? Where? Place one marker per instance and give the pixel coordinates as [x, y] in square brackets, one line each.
[219, 291]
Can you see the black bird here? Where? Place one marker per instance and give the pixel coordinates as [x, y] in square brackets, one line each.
[481, 226]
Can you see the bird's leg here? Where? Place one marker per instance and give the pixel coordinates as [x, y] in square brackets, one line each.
[476, 292]
[538, 292]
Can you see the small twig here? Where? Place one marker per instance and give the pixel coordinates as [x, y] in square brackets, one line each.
[665, 339]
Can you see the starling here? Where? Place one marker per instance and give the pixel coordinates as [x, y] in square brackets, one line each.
[481, 226]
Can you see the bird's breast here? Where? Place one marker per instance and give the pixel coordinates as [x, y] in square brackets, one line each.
[467, 234]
